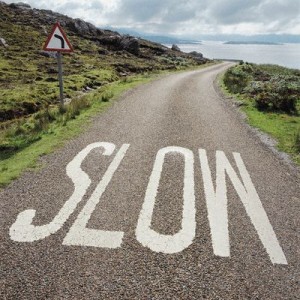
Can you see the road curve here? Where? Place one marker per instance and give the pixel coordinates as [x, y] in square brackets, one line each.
[168, 195]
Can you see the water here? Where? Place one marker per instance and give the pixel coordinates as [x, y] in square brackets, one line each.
[287, 55]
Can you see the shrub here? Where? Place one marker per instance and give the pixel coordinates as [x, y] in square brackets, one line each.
[238, 77]
[269, 87]
[126, 79]
[76, 105]
[41, 121]
[279, 94]
[106, 96]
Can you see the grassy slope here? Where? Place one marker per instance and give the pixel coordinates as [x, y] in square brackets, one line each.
[283, 127]
[31, 123]
[28, 80]
[56, 135]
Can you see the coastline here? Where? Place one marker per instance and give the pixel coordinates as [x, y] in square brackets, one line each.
[286, 55]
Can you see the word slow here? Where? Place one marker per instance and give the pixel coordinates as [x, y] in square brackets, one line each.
[216, 200]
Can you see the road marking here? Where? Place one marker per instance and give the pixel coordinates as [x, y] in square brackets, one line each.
[182, 239]
[216, 200]
[82, 236]
[24, 231]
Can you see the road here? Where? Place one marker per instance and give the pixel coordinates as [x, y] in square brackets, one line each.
[168, 195]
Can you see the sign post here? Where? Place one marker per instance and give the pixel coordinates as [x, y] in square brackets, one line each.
[60, 78]
[58, 42]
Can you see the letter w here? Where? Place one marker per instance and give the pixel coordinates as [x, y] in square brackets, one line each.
[216, 201]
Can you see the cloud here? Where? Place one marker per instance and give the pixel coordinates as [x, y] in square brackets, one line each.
[233, 12]
[184, 17]
[75, 5]
[162, 11]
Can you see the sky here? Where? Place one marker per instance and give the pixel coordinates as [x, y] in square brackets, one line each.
[189, 18]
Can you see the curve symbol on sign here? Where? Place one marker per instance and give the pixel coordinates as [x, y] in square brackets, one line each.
[61, 39]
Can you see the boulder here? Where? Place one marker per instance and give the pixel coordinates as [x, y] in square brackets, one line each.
[3, 42]
[196, 54]
[82, 27]
[45, 30]
[175, 48]
[112, 40]
[45, 16]
[130, 44]
[119, 43]
[20, 5]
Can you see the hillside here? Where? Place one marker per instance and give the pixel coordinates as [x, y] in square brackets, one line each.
[28, 75]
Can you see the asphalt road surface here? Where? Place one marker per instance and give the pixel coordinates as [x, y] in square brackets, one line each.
[168, 195]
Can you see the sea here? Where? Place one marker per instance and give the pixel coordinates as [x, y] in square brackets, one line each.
[287, 55]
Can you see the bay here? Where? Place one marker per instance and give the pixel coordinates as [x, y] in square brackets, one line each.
[287, 55]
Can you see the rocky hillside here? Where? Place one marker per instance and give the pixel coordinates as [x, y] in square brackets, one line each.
[28, 75]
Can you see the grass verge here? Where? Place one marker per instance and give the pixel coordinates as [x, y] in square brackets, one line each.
[51, 129]
[281, 126]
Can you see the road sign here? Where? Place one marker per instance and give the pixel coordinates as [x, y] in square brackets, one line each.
[57, 41]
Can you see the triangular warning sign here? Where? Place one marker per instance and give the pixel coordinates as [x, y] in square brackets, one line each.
[58, 41]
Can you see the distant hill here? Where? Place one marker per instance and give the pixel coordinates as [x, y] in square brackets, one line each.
[250, 43]
[155, 38]
[262, 38]
[268, 39]
[169, 40]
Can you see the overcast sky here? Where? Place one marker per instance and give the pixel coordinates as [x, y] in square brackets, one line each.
[184, 17]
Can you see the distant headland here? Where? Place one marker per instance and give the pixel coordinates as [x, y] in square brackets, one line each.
[250, 43]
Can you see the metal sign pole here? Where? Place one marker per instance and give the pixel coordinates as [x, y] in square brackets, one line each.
[60, 78]
[58, 42]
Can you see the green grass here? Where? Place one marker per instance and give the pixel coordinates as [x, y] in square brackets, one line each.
[283, 127]
[23, 144]
[23, 154]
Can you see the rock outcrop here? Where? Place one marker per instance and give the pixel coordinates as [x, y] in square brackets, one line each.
[83, 28]
[197, 56]
[175, 48]
[130, 44]
[20, 5]
[3, 42]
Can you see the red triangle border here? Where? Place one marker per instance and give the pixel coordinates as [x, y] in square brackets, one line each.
[57, 25]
